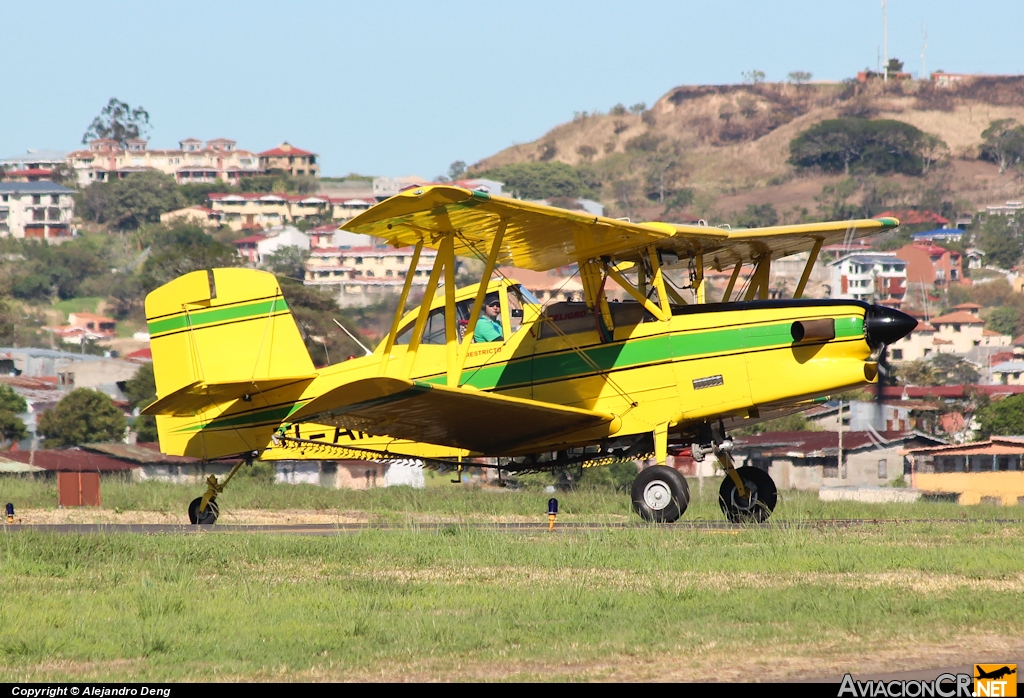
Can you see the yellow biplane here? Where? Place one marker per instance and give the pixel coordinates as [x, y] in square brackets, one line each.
[489, 372]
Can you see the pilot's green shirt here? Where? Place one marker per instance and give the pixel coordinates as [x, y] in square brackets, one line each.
[487, 330]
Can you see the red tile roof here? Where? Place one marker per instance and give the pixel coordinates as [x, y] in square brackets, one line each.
[961, 318]
[285, 149]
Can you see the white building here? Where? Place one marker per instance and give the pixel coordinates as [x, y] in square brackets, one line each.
[870, 277]
[34, 160]
[191, 161]
[40, 210]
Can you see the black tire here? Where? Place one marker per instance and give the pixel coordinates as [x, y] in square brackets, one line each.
[660, 494]
[761, 502]
[208, 517]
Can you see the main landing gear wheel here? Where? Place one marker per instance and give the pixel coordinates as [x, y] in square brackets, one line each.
[207, 517]
[660, 494]
[760, 502]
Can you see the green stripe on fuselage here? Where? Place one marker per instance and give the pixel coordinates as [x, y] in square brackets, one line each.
[638, 352]
[208, 316]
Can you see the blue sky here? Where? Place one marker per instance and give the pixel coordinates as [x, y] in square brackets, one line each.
[395, 88]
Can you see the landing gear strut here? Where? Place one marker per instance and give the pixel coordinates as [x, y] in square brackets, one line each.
[757, 504]
[748, 494]
[203, 510]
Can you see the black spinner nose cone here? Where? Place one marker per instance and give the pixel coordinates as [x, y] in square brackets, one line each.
[883, 325]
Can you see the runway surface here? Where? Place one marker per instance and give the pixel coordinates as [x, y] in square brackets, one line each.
[540, 527]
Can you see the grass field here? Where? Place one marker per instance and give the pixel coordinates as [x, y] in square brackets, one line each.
[459, 603]
[464, 604]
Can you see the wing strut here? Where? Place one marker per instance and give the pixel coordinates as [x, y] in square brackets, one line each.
[807, 269]
[478, 302]
[409, 275]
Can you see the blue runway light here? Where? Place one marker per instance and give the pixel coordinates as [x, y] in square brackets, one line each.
[552, 506]
[10, 513]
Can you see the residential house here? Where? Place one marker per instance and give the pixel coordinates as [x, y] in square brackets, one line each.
[931, 266]
[219, 160]
[809, 460]
[871, 277]
[202, 216]
[40, 210]
[915, 217]
[46, 160]
[1009, 373]
[255, 210]
[981, 472]
[85, 326]
[939, 235]
[959, 332]
[1009, 209]
[386, 187]
[256, 247]
[288, 158]
[359, 276]
[328, 236]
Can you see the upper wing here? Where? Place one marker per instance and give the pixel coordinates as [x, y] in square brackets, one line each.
[542, 237]
[473, 420]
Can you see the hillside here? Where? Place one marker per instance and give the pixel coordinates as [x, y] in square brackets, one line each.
[729, 145]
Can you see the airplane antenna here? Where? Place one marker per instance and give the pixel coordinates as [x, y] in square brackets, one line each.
[924, 49]
[353, 337]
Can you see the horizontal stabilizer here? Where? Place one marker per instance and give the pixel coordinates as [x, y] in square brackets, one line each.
[195, 397]
[477, 421]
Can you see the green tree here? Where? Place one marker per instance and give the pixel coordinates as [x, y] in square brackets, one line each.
[1002, 418]
[790, 422]
[678, 201]
[758, 216]
[127, 203]
[12, 428]
[799, 76]
[1003, 143]
[10, 401]
[1006, 319]
[1000, 239]
[82, 416]
[456, 170]
[540, 180]
[916, 373]
[183, 249]
[140, 390]
[853, 144]
[288, 261]
[950, 369]
[118, 121]
[754, 77]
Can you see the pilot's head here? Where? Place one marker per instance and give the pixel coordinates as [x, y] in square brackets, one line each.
[492, 306]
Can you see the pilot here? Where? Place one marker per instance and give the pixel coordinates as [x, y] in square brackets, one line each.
[488, 327]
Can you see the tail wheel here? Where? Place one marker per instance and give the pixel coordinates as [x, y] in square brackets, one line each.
[660, 494]
[760, 501]
[207, 517]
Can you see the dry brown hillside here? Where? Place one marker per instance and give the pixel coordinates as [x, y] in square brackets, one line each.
[730, 145]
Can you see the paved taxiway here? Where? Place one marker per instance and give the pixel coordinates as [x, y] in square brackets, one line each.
[540, 527]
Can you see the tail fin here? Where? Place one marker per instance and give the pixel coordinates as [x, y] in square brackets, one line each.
[222, 326]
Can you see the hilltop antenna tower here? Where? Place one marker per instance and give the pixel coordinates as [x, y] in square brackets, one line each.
[924, 49]
[885, 43]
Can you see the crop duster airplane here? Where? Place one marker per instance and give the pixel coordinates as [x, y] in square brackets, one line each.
[566, 384]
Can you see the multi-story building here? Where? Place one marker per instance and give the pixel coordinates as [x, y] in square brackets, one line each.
[253, 210]
[959, 332]
[288, 158]
[255, 247]
[35, 210]
[361, 275]
[871, 277]
[931, 265]
[219, 159]
[34, 161]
